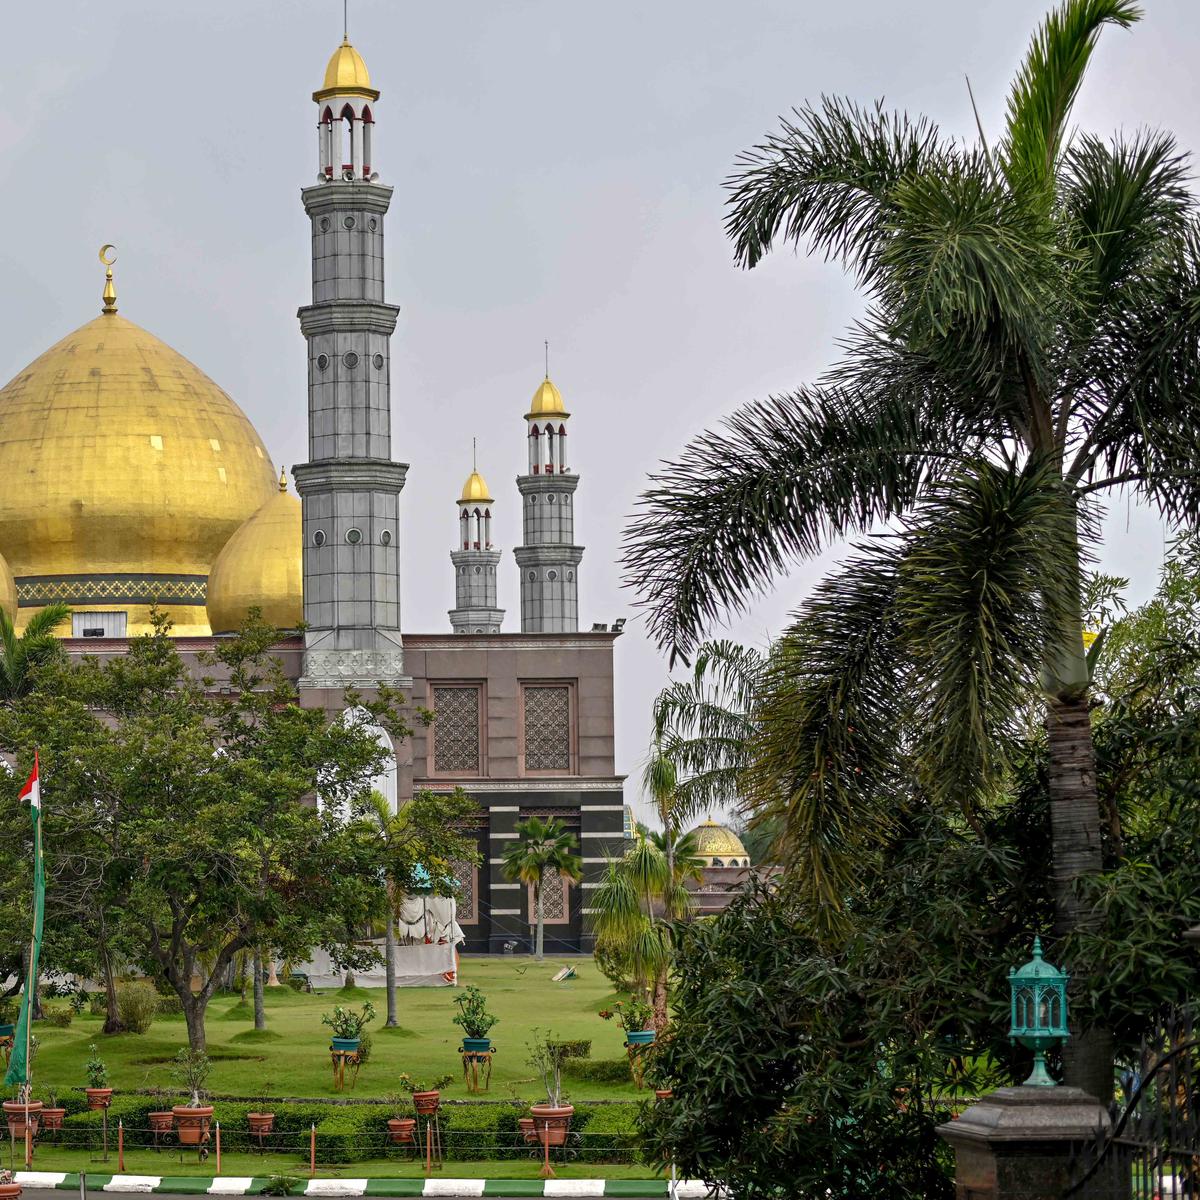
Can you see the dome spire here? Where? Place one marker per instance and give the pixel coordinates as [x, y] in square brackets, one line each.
[283, 479]
[110, 290]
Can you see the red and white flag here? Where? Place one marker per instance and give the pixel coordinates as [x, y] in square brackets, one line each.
[32, 791]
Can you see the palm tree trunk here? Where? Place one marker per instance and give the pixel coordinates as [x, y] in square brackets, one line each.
[260, 1010]
[1075, 833]
[541, 924]
[660, 1002]
[389, 967]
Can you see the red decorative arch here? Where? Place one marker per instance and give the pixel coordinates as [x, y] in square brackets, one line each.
[370, 120]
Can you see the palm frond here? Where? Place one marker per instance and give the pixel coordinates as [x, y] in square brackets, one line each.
[1044, 91]
[617, 913]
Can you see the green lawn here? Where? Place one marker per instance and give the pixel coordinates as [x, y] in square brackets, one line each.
[291, 1058]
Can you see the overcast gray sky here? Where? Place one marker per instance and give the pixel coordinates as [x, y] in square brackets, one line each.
[557, 167]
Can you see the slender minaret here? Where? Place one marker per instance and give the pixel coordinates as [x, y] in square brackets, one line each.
[548, 559]
[475, 562]
[350, 487]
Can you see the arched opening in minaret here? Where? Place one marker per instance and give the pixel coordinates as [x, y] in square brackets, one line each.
[345, 138]
[327, 147]
[487, 528]
[549, 449]
[535, 457]
[465, 531]
[478, 530]
[562, 449]
[368, 124]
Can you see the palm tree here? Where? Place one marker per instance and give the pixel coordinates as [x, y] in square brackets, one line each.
[543, 850]
[1031, 345]
[635, 902]
[21, 655]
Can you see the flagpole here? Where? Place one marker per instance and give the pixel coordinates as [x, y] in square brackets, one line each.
[33, 965]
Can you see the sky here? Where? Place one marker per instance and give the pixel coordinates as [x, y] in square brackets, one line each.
[558, 171]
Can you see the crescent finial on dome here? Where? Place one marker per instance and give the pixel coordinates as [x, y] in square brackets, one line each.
[110, 289]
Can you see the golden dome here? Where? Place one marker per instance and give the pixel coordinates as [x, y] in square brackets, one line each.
[346, 73]
[715, 841]
[475, 490]
[8, 592]
[261, 565]
[547, 401]
[123, 471]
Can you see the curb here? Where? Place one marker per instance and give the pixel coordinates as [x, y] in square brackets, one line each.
[241, 1185]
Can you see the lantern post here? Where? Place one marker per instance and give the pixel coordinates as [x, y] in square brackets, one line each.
[1039, 1011]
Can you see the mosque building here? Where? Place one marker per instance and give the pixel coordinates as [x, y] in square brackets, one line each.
[129, 480]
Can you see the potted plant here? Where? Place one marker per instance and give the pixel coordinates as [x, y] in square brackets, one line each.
[191, 1071]
[635, 1017]
[52, 1115]
[348, 1026]
[551, 1120]
[162, 1120]
[8, 1189]
[22, 1112]
[426, 1094]
[99, 1094]
[475, 1020]
[401, 1129]
[261, 1122]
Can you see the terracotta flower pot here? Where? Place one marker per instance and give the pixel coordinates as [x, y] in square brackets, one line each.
[260, 1123]
[401, 1130]
[528, 1133]
[663, 1093]
[426, 1103]
[52, 1118]
[98, 1098]
[552, 1122]
[161, 1122]
[9, 1191]
[191, 1124]
[15, 1114]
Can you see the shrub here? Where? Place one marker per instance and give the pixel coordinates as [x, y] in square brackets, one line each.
[601, 1070]
[59, 1016]
[169, 1006]
[97, 1004]
[576, 1049]
[137, 1002]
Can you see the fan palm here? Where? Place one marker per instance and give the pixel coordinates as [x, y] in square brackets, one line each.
[543, 850]
[21, 654]
[1030, 346]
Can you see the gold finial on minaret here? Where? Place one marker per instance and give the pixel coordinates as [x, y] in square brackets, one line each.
[110, 291]
[283, 479]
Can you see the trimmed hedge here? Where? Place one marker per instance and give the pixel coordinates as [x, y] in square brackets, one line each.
[599, 1070]
[358, 1132]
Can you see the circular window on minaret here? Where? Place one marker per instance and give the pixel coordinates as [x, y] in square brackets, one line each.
[354, 536]
[570, 576]
[348, 222]
[373, 224]
[567, 498]
[350, 360]
[532, 576]
[550, 498]
[532, 499]
[478, 571]
[322, 362]
[324, 224]
[385, 538]
[319, 538]
[552, 575]
[378, 361]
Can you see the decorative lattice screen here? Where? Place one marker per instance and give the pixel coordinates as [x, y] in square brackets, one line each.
[555, 902]
[468, 899]
[548, 728]
[456, 729]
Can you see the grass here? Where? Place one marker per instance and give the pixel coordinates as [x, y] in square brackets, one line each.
[291, 1058]
[169, 1163]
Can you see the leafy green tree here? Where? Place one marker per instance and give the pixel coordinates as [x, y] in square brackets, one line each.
[427, 833]
[22, 654]
[542, 850]
[1030, 347]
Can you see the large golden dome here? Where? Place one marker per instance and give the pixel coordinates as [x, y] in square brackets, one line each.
[719, 846]
[547, 401]
[123, 471]
[475, 490]
[346, 73]
[8, 591]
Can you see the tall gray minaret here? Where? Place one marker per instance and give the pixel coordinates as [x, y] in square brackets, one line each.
[475, 562]
[350, 487]
[548, 559]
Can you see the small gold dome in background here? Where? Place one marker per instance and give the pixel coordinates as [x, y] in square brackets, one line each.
[719, 842]
[8, 592]
[547, 401]
[123, 471]
[475, 490]
[346, 72]
[261, 566]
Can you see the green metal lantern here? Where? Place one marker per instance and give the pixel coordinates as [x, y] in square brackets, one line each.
[1039, 1011]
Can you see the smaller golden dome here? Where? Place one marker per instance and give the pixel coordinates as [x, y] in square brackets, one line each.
[547, 401]
[346, 73]
[475, 490]
[8, 591]
[261, 566]
[718, 842]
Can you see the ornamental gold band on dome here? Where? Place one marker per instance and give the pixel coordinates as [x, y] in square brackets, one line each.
[36, 591]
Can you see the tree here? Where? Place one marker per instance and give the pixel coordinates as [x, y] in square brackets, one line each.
[426, 833]
[22, 655]
[1031, 345]
[543, 850]
[635, 903]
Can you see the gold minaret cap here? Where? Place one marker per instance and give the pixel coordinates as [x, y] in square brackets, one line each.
[283, 479]
[108, 257]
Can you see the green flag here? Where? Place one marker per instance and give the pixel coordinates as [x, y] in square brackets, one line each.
[18, 1063]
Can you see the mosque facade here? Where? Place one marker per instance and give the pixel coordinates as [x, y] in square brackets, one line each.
[129, 480]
